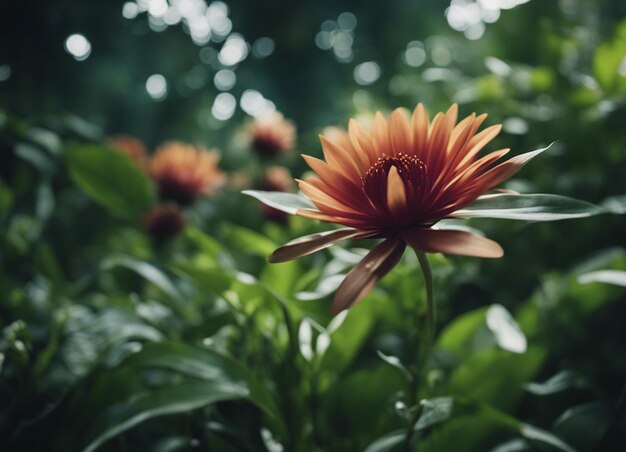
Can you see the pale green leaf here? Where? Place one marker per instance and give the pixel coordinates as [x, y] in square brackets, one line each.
[286, 202]
[616, 277]
[535, 207]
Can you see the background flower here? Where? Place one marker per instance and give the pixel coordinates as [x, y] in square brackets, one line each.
[131, 146]
[184, 172]
[271, 134]
[164, 222]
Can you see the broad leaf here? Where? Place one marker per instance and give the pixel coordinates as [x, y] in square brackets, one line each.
[535, 207]
[249, 241]
[434, 411]
[111, 179]
[461, 424]
[204, 377]
[583, 426]
[607, 60]
[286, 202]
[506, 331]
[496, 377]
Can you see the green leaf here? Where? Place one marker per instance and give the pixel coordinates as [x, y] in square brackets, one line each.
[537, 435]
[615, 204]
[112, 180]
[286, 202]
[205, 377]
[535, 207]
[348, 338]
[387, 442]
[325, 287]
[506, 331]
[460, 424]
[583, 426]
[480, 329]
[607, 60]
[435, 410]
[563, 380]
[146, 270]
[394, 361]
[215, 280]
[616, 277]
[249, 241]
[36, 157]
[459, 336]
[496, 377]
[370, 393]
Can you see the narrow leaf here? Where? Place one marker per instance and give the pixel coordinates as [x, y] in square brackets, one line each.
[534, 207]
[616, 277]
[146, 270]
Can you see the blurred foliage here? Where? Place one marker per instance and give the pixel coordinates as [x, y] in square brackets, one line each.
[112, 340]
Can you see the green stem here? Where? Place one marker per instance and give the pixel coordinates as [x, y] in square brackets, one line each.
[430, 302]
[423, 356]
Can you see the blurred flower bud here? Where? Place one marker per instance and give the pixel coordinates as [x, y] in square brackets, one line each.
[271, 134]
[131, 147]
[164, 222]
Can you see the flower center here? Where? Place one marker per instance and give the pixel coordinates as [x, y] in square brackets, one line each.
[411, 170]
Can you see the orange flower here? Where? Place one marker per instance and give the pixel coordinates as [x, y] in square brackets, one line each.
[130, 146]
[396, 182]
[183, 172]
[272, 134]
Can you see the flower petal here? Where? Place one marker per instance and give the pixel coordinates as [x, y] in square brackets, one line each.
[382, 258]
[342, 187]
[339, 158]
[506, 170]
[449, 241]
[420, 125]
[361, 143]
[396, 193]
[399, 132]
[310, 244]
[327, 203]
[320, 216]
[480, 141]
[380, 135]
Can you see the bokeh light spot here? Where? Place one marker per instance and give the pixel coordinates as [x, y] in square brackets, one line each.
[78, 46]
[224, 79]
[156, 86]
[347, 21]
[366, 73]
[130, 10]
[224, 106]
[234, 50]
[415, 55]
[263, 47]
[253, 103]
[5, 72]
